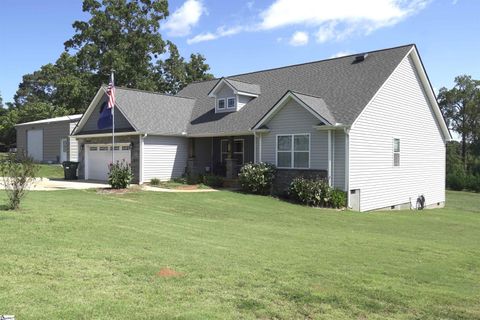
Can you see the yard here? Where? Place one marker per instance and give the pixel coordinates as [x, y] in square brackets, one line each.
[223, 255]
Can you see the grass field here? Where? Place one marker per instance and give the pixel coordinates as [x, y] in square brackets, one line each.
[83, 255]
[52, 171]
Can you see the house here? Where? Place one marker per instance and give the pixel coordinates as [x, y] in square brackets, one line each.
[49, 140]
[368, 123]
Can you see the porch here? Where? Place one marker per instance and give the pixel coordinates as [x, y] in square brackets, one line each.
[222, 156]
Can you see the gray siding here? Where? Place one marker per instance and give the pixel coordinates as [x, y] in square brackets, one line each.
[164, 157]
[203, 154]
[53, 133]
[121, 123]
[293, 118]
[338, 161]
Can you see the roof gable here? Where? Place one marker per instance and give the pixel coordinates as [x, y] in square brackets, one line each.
[315, 105]
[238, 87]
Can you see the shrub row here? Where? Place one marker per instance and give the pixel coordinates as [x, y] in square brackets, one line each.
[460, 181]
[316, 193]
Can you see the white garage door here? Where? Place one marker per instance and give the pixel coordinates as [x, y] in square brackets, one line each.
[99, 156]
[35, 144]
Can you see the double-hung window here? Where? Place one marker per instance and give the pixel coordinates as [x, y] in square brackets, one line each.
[396, 152]
[293, 151]
[231, 103]
[221, 104]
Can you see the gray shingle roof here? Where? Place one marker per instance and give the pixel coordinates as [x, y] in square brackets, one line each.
[344, 86]
[318, 105]
[244, 86]
[154, 113]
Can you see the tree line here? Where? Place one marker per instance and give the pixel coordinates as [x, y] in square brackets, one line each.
[460, 106]
[120, 35]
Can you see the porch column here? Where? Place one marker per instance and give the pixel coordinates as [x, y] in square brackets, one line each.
[230, 161]
[191, 156]
[329, 157]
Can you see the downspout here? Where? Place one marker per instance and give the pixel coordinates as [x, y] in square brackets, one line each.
[347, 165]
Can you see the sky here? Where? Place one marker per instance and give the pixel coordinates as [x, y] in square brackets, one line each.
[242, 36]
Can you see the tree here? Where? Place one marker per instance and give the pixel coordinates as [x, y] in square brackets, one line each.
[197, 69]
[1, 101]
[124, 36]
[63, 84]
[461, 108]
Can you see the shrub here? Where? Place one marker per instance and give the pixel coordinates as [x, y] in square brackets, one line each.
[193, 178]
[120, 175]
[311, 192]
[155, 182]
[472, 182]
[213, 181]
[18, 174]
[257, 178]
[456, 181]
[338, 198]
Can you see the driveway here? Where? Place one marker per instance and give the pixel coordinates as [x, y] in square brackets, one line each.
[45, 184]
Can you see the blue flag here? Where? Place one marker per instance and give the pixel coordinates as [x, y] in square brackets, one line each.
[105, 120]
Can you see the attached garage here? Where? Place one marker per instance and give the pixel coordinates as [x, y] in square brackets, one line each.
[98, 158]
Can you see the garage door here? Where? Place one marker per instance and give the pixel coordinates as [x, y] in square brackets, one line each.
[99, 156]
[35, 144]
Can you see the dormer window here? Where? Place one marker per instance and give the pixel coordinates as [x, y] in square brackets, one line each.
[231, 103]
[221, 104]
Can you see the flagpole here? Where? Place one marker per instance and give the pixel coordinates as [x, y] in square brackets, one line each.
[113, 124]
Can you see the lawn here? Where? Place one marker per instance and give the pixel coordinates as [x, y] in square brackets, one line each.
[51, 171]
[83, 255]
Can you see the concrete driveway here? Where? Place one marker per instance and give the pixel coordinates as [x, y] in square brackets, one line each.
[45, 184]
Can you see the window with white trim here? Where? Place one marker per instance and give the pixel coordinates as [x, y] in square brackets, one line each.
[221, 104]
[293, 151]
[231, 103]
[396, 152]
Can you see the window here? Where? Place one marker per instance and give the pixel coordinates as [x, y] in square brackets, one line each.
[103, 148]
[230, 103]
[293, 151]
[237, 150]
[221, 104]
[396, 152]
[125, 147]
[93, 148]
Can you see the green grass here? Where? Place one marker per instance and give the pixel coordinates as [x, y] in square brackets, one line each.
[83, 255]
[52, 171]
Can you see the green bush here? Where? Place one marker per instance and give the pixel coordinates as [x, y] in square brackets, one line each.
[257, 178]
[456, 181]
[472, 182]
[310, 192]
[155, 182]
[338, 198]
[18, 173]
[213, 181]
[120, 175]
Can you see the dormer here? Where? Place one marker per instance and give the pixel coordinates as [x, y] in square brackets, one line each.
[231, 95]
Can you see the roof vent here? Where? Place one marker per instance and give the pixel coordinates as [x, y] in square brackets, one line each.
[361, 57]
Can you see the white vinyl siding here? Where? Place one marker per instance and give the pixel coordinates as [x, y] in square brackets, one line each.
[72, 145]
[164, 157]
[400, 110]
[294, 119]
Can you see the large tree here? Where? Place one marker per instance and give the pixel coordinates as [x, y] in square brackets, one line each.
[63, 84]
[461, 108]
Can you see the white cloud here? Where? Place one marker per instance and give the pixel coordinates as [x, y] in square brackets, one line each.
[219, 33]
[181, 21]
[299, 38]
[250, 4]
[340, 54]
[328, 20]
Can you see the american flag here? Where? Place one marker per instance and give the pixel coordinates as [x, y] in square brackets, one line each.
[111, 93]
